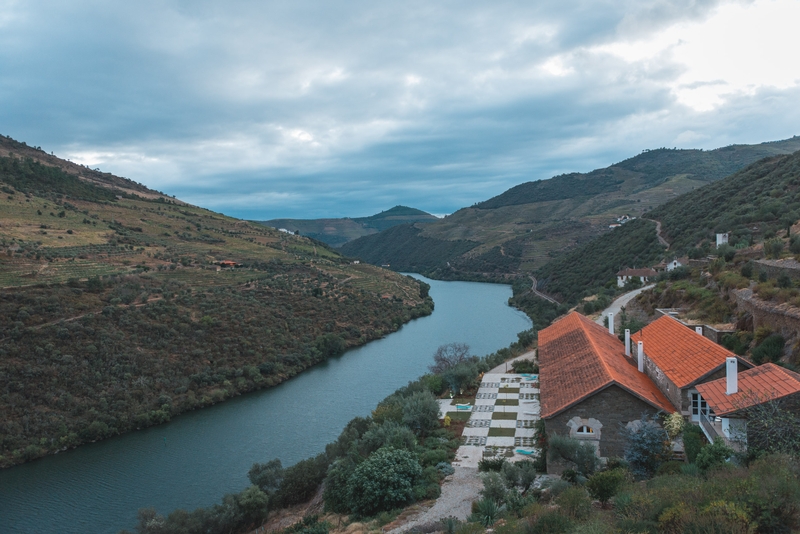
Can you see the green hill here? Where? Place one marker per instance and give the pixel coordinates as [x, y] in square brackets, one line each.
[121, 307]
[336, 232]
[529, 225]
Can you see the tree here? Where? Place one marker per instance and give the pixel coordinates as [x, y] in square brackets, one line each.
[771, 426]
[383, 481]
[715, 454]
[421, 412]
[267, 477]
[648, 446]
[581, 454]
[448, 356]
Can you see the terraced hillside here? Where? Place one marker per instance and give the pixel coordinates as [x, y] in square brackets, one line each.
[121, 308]
[530, 224]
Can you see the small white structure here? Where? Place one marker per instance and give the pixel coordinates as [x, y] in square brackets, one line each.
[644, 276]
[677, 262]
[285, 231]
[722, 239]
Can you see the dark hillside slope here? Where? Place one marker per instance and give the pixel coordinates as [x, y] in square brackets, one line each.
[752, 205]
[336, 232]
[584, 270]
[404, 249]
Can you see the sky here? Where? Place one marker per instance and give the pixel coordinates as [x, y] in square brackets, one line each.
[265, 109]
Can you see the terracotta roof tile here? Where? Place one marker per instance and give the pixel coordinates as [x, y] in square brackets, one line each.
[756, 385]
[578, 357]
[682, 354]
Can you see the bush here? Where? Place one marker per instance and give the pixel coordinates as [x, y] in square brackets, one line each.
[574, 503]
[551, 523]
[693, 441]
[383, 481]
[301, 480]
[648, 446]
[712, 455]
[493, 488]
[604, 485]
[492, 463]
[670, 468]
[581, 454]
[770, 350]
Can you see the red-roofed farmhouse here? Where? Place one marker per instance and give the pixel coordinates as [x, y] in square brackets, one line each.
[589, 389]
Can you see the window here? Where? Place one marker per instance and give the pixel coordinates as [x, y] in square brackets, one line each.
[698, 406]
[584, 430]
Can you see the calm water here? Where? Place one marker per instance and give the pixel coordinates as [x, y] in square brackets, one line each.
[199, 456]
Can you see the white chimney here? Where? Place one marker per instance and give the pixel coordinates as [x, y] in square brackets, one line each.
[627, 342]
[611, 323]
[699, 330]
[732, 374]
[641, 356]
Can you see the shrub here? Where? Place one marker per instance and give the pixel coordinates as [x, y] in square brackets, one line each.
[673, 424]
[487, 512]
[604, 485]
[492, 463]
[550, 523]
[575, 503]
[581, 454]
[647, 447]
[693, 441]
[493, 488]
[301, 480]
[383, 481]
[770, 350]
[712, 455]
[670, 468]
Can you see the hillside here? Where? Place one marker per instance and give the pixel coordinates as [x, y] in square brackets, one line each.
[527, 226]
[336, 232]
[752, 205]
[121, 308]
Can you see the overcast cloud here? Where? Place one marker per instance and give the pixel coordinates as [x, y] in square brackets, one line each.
[312, 109]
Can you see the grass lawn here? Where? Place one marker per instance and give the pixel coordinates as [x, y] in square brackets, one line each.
[509, 416]
[459, 416]
[507, 402]
[502, 432]
[508, 390]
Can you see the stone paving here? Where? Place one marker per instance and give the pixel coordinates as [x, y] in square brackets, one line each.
[504, 401]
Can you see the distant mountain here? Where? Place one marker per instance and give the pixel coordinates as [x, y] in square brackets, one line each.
[336, 232]
[524, 228]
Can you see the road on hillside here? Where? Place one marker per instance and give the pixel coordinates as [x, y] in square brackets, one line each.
[540, 294]
[658, 232]
[617, 305]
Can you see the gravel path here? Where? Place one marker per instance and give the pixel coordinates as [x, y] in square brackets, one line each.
[458, 492]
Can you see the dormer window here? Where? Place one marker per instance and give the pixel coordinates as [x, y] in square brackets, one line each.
[584, 430]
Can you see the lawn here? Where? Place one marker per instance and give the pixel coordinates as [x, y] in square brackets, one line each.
[502, 432]
[508, 416]
[507, 402]
[508, 390]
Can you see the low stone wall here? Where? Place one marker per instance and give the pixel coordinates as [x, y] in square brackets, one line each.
[781, 318]
[775, 268]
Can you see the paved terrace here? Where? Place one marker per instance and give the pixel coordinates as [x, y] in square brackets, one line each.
[506, 404]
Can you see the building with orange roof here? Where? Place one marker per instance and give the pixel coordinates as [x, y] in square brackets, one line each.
[728, 399]
[589, 389]
[678, 358]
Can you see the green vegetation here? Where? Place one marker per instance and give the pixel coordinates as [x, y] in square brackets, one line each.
[404, 249]
[534, 223]
[336, 232]
[587, 269]
[752, 205]
[122, 308]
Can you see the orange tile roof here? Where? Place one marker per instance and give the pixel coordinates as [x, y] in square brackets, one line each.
[578, 358]
[682, 354]
[756, 385]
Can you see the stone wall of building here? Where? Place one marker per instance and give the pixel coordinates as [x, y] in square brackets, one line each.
[612, 408]
[667, 387]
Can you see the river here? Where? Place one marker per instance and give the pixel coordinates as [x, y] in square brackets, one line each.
[199, 456]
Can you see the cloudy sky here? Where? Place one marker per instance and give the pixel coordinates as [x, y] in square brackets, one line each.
[266, 109]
